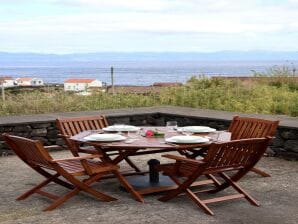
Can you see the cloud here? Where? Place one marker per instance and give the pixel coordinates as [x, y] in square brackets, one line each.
[156, 22]
[152, 5]
[293, 1]
[190, 24]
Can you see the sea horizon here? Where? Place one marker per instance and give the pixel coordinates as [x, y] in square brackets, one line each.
[142, 72]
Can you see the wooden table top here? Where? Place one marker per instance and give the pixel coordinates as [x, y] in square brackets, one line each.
[140, 141]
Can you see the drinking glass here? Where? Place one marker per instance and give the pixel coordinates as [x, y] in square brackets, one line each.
[188, 133]
[215, 136]
[171, 125]
[133, 134]
[96, 131]
[119, 125]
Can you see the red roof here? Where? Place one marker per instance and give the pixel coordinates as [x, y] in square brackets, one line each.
[24, 79]
[167, 84]
[6, 78]
[79, 80]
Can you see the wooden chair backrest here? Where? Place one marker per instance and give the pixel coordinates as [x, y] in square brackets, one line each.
[31, 152]
[235, 154]
[73, 125]
[244, 127]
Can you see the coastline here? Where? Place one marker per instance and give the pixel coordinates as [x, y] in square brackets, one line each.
[143, 73]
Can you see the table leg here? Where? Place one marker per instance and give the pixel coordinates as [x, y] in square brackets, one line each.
[128, 187]
[122, 156]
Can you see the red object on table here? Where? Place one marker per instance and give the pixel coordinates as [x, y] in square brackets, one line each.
[149, 133]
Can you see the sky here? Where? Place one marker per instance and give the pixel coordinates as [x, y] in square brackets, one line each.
[81, 26]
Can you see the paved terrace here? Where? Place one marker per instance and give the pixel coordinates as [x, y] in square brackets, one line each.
[278, 196]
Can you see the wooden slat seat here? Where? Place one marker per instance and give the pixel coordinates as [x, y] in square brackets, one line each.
[71, 126]
[34, 154]
[75, 167]
[244, 128]
[238, 155]
[88, 149]
[247, 127]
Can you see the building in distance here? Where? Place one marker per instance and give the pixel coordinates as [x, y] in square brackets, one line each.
[82, 85]
[26, 81]
[7, 81]
[167, 84]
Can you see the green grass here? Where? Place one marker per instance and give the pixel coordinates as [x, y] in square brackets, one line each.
[271, 94]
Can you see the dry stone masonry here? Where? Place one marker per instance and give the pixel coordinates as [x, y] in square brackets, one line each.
[43, 127]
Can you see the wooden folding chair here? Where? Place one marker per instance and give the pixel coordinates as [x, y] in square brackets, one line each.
[73, 125]
[239, 156]
[34, 154]
[245, 127]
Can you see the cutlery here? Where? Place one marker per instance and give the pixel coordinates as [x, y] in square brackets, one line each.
[169, 143]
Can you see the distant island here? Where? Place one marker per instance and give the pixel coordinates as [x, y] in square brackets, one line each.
[8, 59]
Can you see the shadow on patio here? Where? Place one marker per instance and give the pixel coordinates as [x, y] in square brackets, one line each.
[278, 196]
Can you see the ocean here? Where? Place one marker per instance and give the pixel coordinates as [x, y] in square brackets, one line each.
[142, 72]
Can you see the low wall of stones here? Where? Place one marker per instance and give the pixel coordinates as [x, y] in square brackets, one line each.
[284, 145]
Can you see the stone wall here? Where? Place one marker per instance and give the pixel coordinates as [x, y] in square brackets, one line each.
[285, 144]
[45, 132]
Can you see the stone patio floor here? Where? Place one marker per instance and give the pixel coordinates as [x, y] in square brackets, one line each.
[278, 196]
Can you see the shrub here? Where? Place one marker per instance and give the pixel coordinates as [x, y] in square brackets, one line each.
[272, 93]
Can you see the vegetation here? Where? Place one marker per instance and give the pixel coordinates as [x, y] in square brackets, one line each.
[274, 92]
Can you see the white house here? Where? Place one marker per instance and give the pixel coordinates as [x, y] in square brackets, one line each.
[37, 82]
[26, 81]
[6, 81]
[81, 84]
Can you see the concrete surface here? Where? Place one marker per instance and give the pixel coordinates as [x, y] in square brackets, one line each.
[285, 121]
[278, 196]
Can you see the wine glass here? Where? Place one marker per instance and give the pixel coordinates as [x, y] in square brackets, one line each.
[187, 132]
[119, 127]
[215, 136]
[133, 134]
[171, 125]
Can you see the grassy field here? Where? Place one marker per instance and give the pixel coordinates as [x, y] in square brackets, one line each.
[277, 94]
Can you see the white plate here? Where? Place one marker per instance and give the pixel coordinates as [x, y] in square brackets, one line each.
[186, 139]
[121, 128]
[197, 129]
[105, 137]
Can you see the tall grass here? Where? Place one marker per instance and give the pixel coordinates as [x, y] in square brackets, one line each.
[268, 95]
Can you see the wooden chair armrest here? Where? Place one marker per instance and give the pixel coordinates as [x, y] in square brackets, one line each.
[183, 159]
[77, 158]
[49, 147]
[63, 136]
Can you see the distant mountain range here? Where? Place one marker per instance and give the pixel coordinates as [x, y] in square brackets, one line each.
[9, 59]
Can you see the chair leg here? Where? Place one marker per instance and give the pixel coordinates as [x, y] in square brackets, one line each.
[198, 202]
[56, 180]
[128, 187]
[37, 187]
[184, 187]
[83, 186]
[173, 193]
[181, 187]
[215, 181]
[239, 189]
[260, 172]
[132, 165]
[226, 184]
[62, 199]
